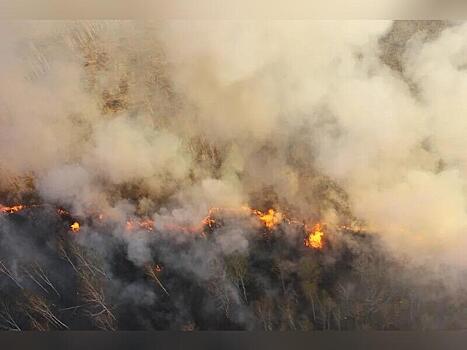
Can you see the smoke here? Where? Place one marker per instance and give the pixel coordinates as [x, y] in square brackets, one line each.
[392, 140]
[342, 122]
[269, 102]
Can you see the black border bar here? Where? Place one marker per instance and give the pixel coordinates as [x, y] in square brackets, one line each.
[230, 340]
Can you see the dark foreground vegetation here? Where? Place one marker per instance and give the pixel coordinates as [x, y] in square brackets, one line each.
[53, 279]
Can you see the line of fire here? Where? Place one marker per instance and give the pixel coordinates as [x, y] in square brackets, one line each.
[41, 290]
[270, 220]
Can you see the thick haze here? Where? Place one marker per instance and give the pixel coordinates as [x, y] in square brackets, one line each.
[168, 119]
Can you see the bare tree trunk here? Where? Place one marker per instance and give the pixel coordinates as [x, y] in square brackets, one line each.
[9, 321]
[244, 290]
[313, 308]
[38, 305]
[151, 272]
[7, 272]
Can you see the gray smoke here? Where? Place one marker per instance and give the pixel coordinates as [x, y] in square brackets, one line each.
[343, 122]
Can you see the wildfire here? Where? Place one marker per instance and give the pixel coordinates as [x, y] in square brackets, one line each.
[208, 220]
[314, 237]
[145, 224]
[12, 209]
[270, 219]
[75, 227]
[62, 212]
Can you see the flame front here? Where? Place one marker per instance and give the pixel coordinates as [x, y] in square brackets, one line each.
[144, 224]
[12, 209]
[270, 219]
[75, 227]
[314, 237]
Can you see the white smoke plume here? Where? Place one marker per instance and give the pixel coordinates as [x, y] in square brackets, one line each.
[168, 119]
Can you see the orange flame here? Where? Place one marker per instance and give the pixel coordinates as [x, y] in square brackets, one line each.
[314, 237]
[62, 212]
[12, 209]
[270, 219]
[208, 220]
[144, 224]
[75, 227]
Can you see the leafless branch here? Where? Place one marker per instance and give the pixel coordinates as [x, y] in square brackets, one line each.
[39, 306]
[94, 297]
[152, 272]
[7, 272]
[9, 322]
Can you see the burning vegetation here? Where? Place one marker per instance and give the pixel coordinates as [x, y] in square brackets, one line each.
[285, 257]
[137, 219]
[270, 219]
[75, 227]
[315, 237]
[12, 209]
